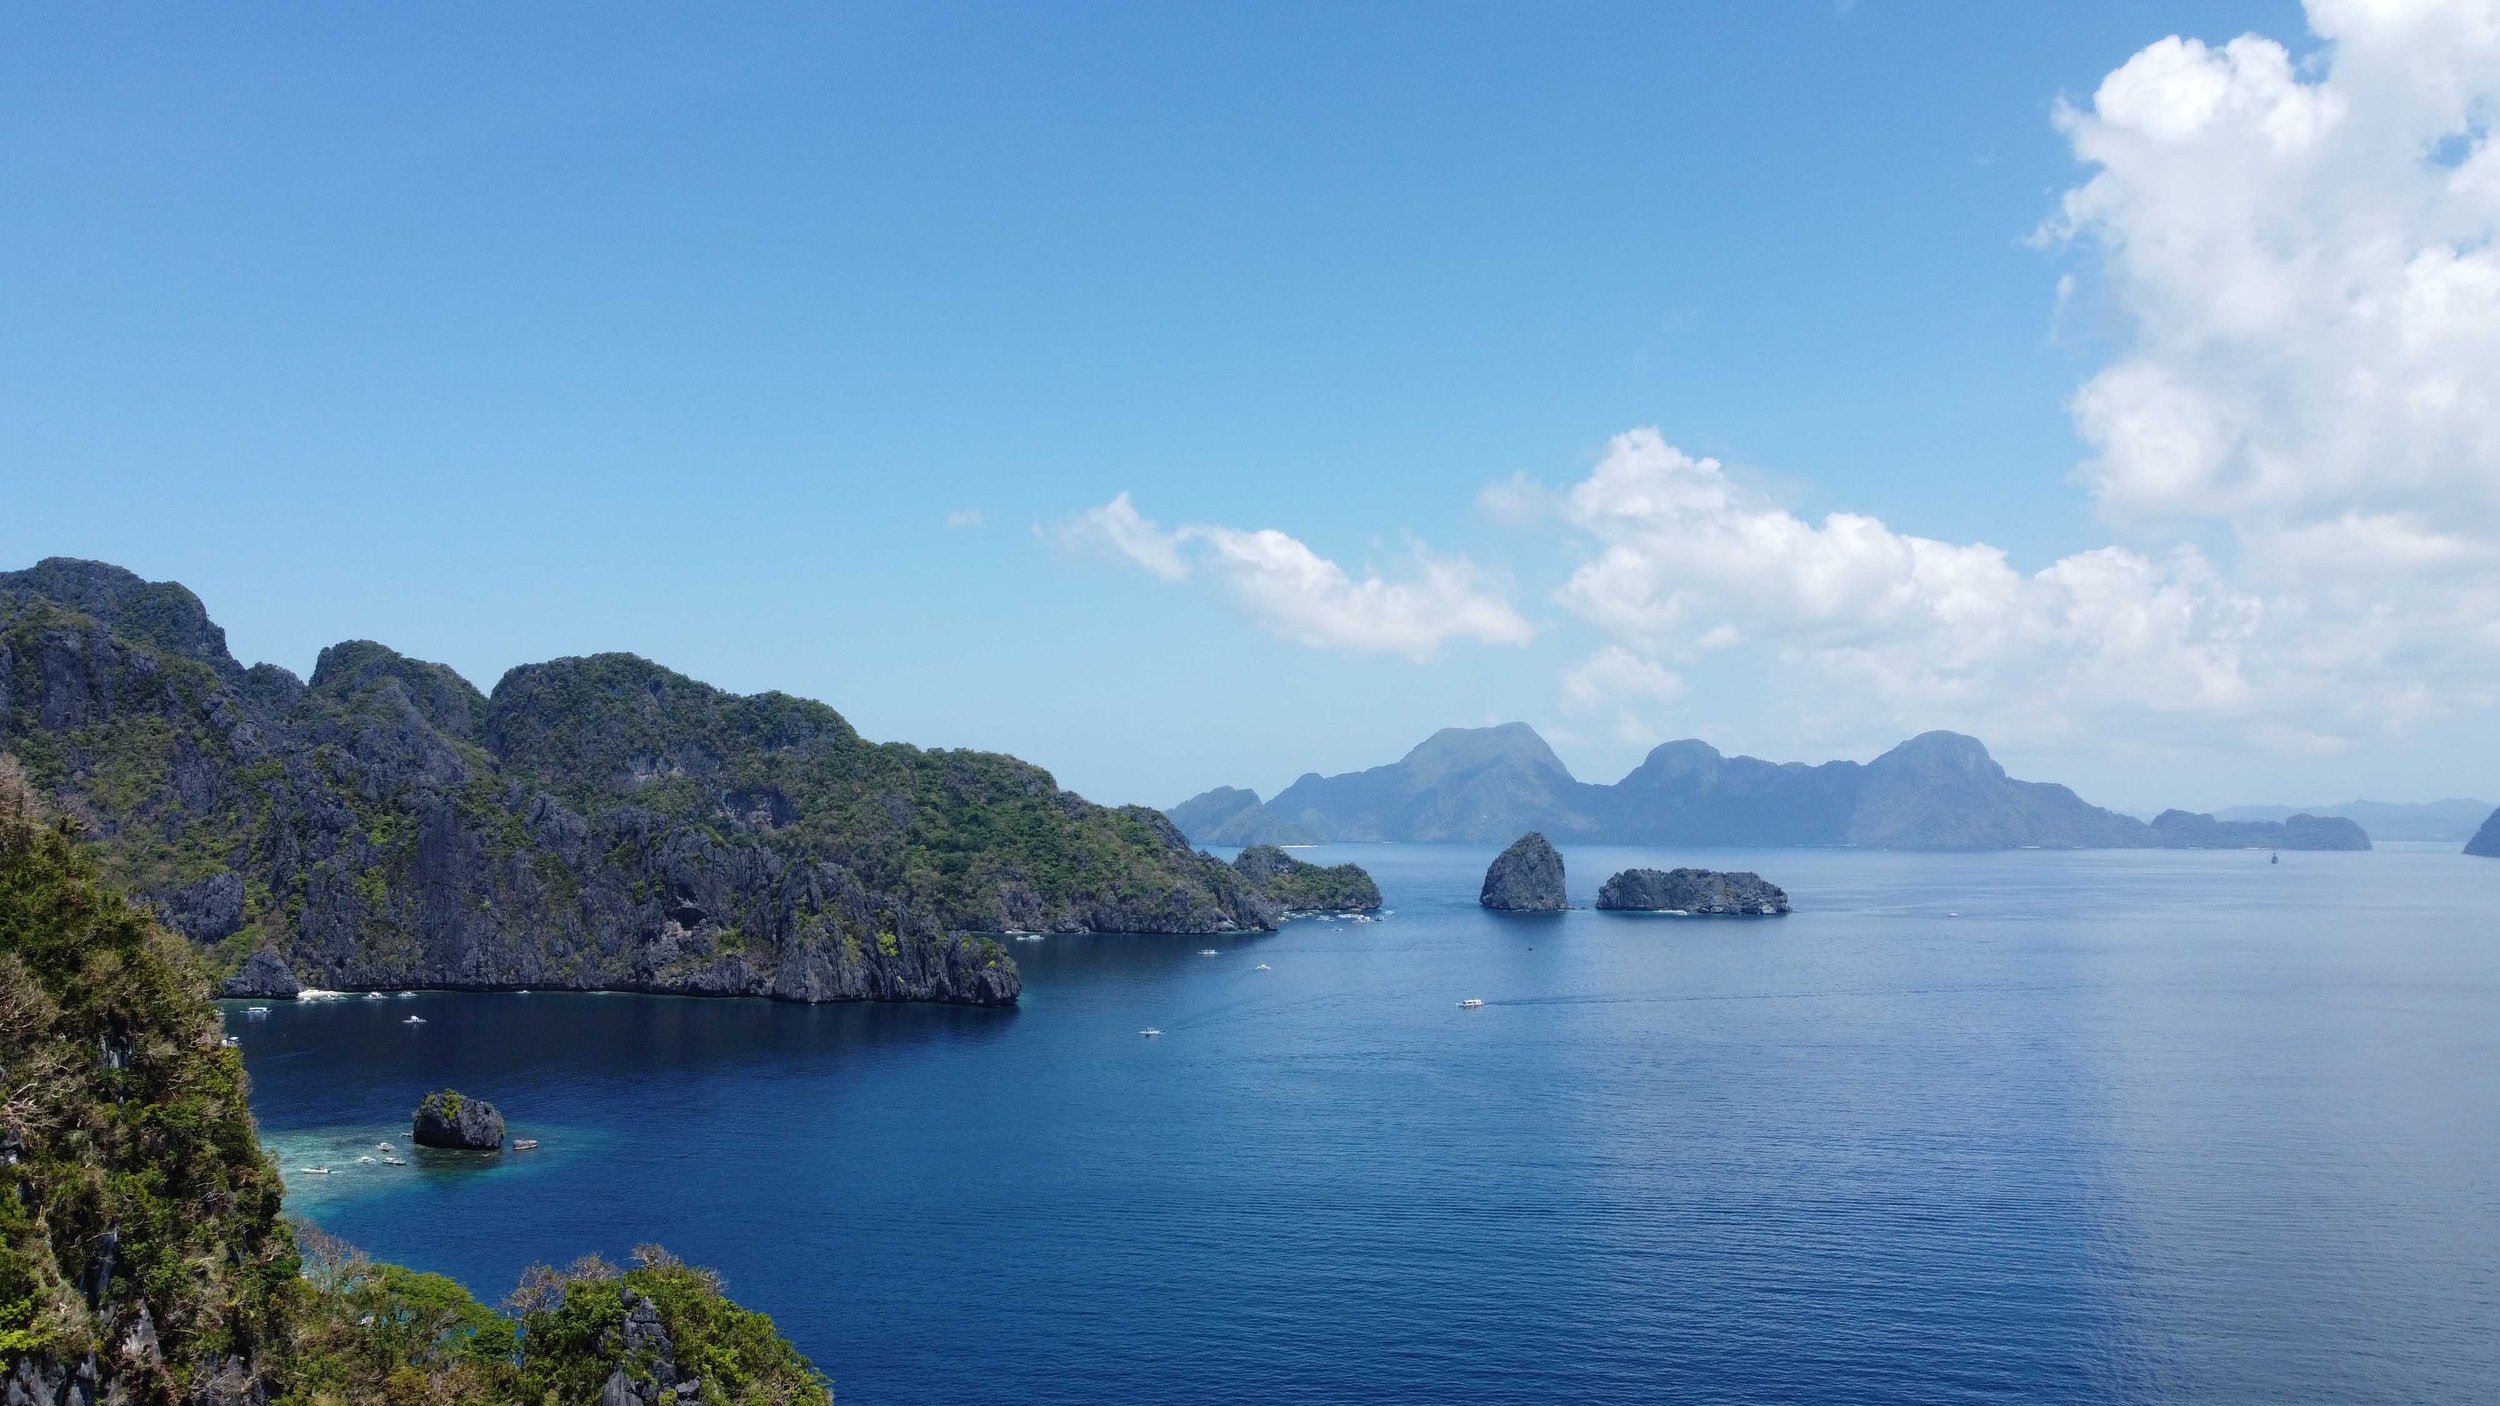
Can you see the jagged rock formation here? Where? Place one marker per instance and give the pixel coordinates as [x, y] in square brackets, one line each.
[596, 823]
[2180, 829]
[647, 1373]
[1739, 894]
[1299, 887]
[1939, 790]
[452, 1119]
[264, 976]
[2486, 841]
[1525, 878]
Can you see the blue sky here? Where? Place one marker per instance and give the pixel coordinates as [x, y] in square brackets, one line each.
[784, 345]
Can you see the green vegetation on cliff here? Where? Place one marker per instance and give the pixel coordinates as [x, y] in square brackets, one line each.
[142, 1254]
[1301, 887]
[598, 822]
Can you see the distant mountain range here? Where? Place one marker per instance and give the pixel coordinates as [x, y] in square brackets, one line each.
[2384, 820]
[1939, 790]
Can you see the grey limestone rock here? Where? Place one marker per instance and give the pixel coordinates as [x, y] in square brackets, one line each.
[1527, 878]
[266, 976]
[450, 1119]
[1692, 891]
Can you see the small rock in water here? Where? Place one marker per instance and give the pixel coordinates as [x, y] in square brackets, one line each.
[1527, 878]
[1692, 891]
[452, 1119]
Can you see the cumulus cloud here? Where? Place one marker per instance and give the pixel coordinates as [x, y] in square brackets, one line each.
[2306, 260]
[1297, 595]
[1684, 559]
[2303, 254]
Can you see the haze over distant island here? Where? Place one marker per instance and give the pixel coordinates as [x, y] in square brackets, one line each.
[1939, 790]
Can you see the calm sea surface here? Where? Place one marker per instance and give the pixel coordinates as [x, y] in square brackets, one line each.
[2026, 1126]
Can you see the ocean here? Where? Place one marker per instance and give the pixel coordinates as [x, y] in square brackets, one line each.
[2036, 1126]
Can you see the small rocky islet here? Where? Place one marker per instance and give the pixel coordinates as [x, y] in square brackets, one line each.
[1528, 878]
[1525, 878]
[1697, 891]
[451, 1119]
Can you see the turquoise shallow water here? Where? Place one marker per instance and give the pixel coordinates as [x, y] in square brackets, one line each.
[2029, 1126]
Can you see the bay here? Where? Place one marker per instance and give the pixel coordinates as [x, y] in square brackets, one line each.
[2123, 1126]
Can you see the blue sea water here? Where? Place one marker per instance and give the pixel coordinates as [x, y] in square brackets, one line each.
[2027, 1126]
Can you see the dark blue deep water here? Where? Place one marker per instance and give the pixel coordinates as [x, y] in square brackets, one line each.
[2027, 1126]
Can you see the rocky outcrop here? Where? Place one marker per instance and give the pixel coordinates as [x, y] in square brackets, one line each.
[1702, 891]
[265, 976]
[452, 1119]
[1526, 878]
[2486, 841]
[1297, 887]
[594, 824]
[646, 1372]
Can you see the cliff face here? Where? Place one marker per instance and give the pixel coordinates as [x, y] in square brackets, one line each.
[598, 823]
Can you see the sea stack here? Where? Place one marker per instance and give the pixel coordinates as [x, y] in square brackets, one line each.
[2486, 841]
[1527, 878]
[265, 976]
[1692, 891]
[450, 1119]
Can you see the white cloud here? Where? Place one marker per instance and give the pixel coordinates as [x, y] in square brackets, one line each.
[1297, 595]
[963, 518]
[1921, 631]
[1118, 527]
[2304, 257]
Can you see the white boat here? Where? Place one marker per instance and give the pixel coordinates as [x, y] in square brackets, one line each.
[414, 1020]
[232, 1042]
[1028, 937]
[386, 1147]
[373, 995]
[314, 1171]
[524, 1144]
[1149, 1034]
[393, 1161]
[366, 1157]
[407, 995]
[1470, 1003]
[1260, 967]
[256, 1012]
[1206, 951]
[522, 992]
